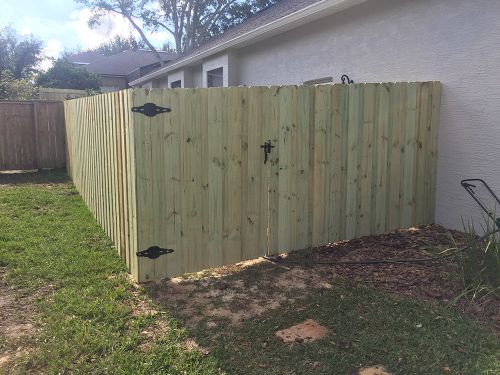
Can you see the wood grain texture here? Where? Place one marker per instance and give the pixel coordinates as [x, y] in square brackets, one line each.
[32, 135]
[349, 160]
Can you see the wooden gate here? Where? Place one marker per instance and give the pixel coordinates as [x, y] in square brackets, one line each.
[346, 161]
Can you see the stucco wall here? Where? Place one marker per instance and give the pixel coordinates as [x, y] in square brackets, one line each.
[161, 82]
[228, 62]
[183, 75]
[197, 76]
[456, 42]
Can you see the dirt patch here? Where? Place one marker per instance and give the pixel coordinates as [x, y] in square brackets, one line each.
[232, 296]
[307, 331]
[437, 281]
[42, 178]
[16, 329]
[235, 293]
[375, 370]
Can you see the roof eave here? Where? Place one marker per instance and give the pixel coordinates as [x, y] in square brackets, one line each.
[317, 10]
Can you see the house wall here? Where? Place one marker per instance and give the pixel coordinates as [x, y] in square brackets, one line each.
[226, 61]
[161, 82]
[456, 42]
[184, 75]
[197, 76]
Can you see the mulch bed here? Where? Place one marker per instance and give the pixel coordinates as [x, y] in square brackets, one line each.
[438, 281]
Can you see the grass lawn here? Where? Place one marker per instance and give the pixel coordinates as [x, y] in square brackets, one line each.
[68, 306]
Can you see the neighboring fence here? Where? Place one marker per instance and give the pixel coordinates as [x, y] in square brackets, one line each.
[60, 94]
[347, 161]
[32, 135]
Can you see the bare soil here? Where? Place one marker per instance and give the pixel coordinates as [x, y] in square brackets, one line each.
[307, 331]
[235, 293]
[436, 281]
[16, 325]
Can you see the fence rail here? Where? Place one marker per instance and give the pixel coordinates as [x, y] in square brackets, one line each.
[32, 135]
[348, 160]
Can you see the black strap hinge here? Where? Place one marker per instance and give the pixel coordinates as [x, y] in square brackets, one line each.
[150, 109]
[154, 252]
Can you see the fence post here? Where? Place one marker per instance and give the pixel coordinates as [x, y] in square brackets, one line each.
[36, 107]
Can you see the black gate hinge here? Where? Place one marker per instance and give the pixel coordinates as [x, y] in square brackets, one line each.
[154, 252]
[150, 109]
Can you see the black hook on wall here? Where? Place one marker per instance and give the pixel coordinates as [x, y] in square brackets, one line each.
[346, 80]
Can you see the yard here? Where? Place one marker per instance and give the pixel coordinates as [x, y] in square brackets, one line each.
[68, 305]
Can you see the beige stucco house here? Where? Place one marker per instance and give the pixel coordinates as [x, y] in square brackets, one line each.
[456, 42]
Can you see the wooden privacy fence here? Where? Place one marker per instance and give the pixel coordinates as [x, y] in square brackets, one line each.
[45, 93]
[347, 161]
[32, 135]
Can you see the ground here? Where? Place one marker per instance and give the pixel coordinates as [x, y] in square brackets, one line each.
[68, 305]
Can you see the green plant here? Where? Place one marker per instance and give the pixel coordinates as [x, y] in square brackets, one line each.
[479, 261]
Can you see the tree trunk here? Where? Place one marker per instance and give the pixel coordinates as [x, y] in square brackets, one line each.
[143, 36]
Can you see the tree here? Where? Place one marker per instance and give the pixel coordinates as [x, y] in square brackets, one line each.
[190, 22]
[119, 44]
[16, 89]
[20, 56]
[130, 9]
[65, 75]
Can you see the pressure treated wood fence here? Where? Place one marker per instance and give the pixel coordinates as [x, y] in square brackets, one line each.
[32, 135]
[347, 161]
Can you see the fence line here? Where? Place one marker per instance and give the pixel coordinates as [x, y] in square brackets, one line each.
[45, 93]
[348, 160]
[32, 135]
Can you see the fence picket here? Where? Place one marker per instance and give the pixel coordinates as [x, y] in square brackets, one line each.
[348, 160]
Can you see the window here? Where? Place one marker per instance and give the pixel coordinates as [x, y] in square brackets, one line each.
[176, 84]
[215, 78]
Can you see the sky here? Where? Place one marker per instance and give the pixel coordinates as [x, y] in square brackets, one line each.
[62, 25]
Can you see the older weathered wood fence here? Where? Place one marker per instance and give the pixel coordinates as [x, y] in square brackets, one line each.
[45, 93]
[32, 135]
[348, 160]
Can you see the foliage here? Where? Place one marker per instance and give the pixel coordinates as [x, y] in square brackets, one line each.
[237, 13]
[190, 22]
[480, 262]
[119, 44]
[19, 55]
[65, 75]
[129, 9]
[19, 58]
[16, 89]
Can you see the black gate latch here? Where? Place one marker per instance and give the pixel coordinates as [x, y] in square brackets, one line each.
[154, 252]
[150, 109]
[267, 146]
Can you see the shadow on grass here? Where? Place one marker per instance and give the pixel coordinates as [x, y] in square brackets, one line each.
[34, 177]
[234, 312]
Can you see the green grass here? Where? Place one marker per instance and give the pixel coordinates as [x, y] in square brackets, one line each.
[52, 247]
[369, 328]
